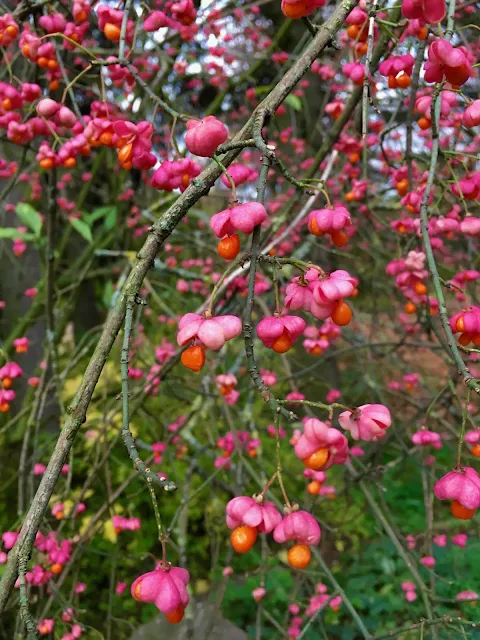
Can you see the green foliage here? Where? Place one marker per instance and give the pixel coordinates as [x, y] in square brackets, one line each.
[30, 217]
[294, 101]
[13, 234]
[82, 228]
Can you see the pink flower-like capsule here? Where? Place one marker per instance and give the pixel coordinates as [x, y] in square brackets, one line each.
[462, 486]
[441, 540]
[9, 539]
[355, 71]
[471, 115]
[39, 469]
[243, 217]
[425, 437]
[444, 60]
[47, 108]
[338, 285]
[395, 65]
[411, 542]
[410, 596]
[166, 588]
[331, 221]
[258, 593]
[239, 174]
[21, 344]
[204, 136]
[8, 29]
[335, 603]
[212, 332]
[473, 437]
[226, 382]
[428, 561]
[448, 101]
[46, 626]
[65, 117]
[368, 422]
[408, 586]
[460, 539]
[319, 476]
[468, 595]
[299, 526]
[300, 295]
[470, 226]
[120, 588]
[430, 11]
[333, 395]
[468, 187]
[134, 142]
[10, 372]
[321, 446]
[280, 332]
[468, 324]
[247, 511]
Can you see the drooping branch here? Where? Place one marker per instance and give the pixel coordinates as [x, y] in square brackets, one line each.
[159, 232]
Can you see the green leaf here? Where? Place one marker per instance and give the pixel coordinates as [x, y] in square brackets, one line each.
[12, 233]
[82, 228]
[262, 89]
[30, 217]
[97, 214]
[107, 293]
[111, 218]
[294, 102]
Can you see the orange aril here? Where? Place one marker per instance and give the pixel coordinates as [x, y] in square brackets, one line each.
[339, 238]
[176, 615]
[243, 538]
[402, 187]
[125, 153]
[317, 460]
[460, 512]
[228, 248]
[299, 556]
[314, 487]
[353, 31]
[46, 163]
[342, 314]
[403, 81]
[420, 288]
[315, 229]
[112, 32]
[282, 344]
[294, 11]
[194, 358]
[12, 31]
[106, 138]
[465, 339]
